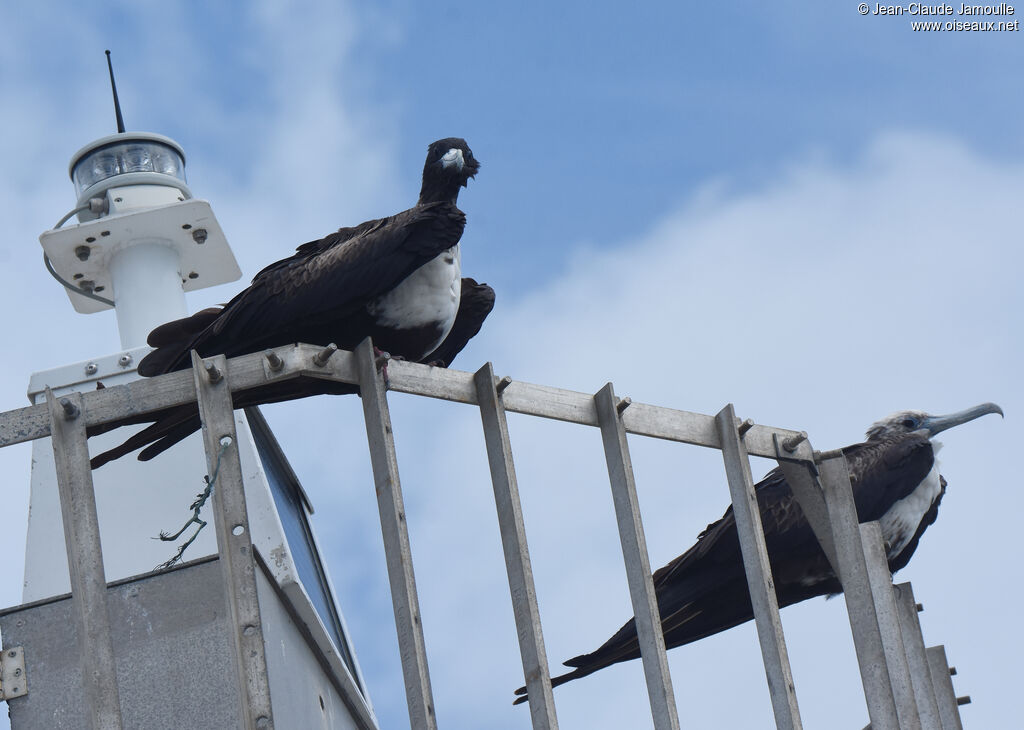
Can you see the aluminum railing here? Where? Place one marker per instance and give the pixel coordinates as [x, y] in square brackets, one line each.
[905, 684]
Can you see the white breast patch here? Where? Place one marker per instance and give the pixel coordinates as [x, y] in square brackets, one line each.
[428, 296]
[902, 520]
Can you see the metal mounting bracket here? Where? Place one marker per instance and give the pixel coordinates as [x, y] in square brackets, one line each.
[798, 455]
[13, 680]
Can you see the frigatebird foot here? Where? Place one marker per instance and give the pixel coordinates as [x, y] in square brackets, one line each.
[437, 364]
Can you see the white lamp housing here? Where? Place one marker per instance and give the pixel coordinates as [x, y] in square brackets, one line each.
[150, 243]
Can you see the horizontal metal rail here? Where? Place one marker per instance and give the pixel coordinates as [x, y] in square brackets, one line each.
[251, 371]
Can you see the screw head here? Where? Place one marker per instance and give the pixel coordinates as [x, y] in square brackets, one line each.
[199, 235]
[91, 368]
[125, 360]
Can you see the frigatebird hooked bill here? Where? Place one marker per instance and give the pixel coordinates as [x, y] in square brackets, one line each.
[895, 479]
[396, 279]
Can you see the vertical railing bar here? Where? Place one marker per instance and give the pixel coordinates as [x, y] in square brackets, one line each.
[889, 625]
[85, 561]
[517, 553]
[860, 606]
[234, 540]
[397, 551]
[945, 694]
[802, 480]
[917, 659]
[638, 566]
[759, 573]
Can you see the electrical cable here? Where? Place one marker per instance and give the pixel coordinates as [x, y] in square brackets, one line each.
[96, 205]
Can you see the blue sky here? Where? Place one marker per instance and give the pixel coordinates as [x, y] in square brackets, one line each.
[804, 211]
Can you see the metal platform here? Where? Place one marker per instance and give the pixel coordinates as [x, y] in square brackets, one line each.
[905, 685]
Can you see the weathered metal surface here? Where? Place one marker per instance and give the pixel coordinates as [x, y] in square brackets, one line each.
[397, 552]
[853, 572]
[759, 573]
[889, 626]
[234, 540]
[13, 678]
[249, 371]
[917, 659]
[942, 682]
[517, 553]
[171, 646]
[638, 564]
[85, 560]
[802, 477]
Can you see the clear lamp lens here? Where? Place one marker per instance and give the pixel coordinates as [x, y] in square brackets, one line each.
[120, 158]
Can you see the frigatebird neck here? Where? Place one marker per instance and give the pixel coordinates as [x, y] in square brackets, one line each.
[440, 196]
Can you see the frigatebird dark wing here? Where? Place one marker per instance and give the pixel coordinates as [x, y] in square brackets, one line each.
[171, 427]
[309, 296]
[704, 590]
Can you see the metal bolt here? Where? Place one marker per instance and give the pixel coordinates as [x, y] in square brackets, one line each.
[791, 443]
[919, 607]
[17, 672]
[952, 671]
[262, 722]
[199, 235]
[104, 233]
[90, 239]
[965, 700]
[70, 412]
[91, 368]
[125, 360]
[623, 404]
[12, 654]
[503, 383]
[382, 360]
[186, 226]
[745, 426]
[193, 275]
[87, 285]
[320, 359]
[82, 252]
[225, 441]
[215, 375]
[249, 630]
[274, 360]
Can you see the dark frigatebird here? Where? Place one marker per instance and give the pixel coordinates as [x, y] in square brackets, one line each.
[895, 479]
[396, 279]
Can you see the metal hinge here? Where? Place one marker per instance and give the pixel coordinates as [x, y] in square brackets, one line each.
[13, 680]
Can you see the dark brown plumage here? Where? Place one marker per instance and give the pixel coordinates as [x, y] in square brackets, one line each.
[895, 479]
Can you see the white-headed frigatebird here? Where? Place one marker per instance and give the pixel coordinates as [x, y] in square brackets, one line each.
[895, 479]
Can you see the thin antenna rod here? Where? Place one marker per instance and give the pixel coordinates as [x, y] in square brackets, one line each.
[113, 87]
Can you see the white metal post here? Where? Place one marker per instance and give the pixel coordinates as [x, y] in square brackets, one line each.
[638, 563]
[234, 540]
[759, 573]
[517, 554]
[85, 560]
[397, 552]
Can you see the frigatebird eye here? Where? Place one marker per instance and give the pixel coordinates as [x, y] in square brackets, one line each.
[910, 423]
